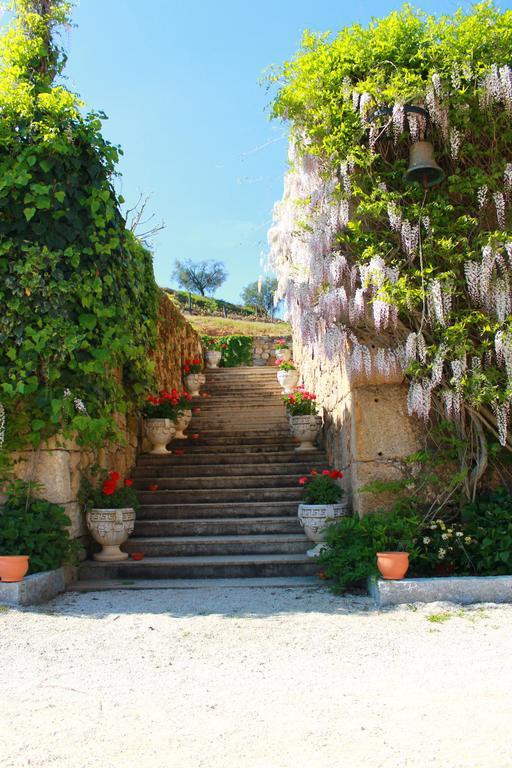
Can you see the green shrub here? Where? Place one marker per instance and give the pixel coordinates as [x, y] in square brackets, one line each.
[489, 523]
[352, 543]
[236, 349]
[35, 527]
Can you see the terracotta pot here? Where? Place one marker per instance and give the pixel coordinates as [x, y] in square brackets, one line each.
[315, 517]
[283, 354]
[288, 380]
[182, 423]
[111, 528]
[393, 565]
[159, 432]
[305, 429]
[13, 567]
[193, 383]
[213, 358]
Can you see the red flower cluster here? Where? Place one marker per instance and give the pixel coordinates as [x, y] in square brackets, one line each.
[335, 474]
[192, 366]
[300, 397]
[223, 346]
[109, 486]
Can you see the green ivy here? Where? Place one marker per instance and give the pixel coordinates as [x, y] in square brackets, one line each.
[77, 293]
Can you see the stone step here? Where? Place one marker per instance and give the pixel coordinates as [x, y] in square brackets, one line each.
[221, 439]
[215, 566]
[227, 482]
[222, 510]
[223, 470]
[217, 526]
[265, 582]
[210, 495]
[199, 546]
[234, 454]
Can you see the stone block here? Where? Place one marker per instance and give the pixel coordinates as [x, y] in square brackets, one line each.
[463, 590]
[34, 589]
[365, 473]
[382, 428]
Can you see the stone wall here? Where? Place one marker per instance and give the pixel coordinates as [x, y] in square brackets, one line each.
[61, 464]
[367, 431]
[263, 349]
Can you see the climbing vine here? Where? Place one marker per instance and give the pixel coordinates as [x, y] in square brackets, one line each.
[77, 293]
[423, 274]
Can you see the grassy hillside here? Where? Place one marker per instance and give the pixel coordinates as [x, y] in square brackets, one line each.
[224, 326]
[206, 305]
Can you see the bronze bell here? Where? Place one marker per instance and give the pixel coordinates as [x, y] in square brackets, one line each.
[422, 165]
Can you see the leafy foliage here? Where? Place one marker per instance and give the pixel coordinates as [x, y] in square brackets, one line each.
[489, 523]
[35, 527]
[202, 276]
[236, 349]
[192, 302]
[352, 543]
[77, 292]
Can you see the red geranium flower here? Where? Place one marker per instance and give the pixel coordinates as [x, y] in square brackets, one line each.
[303, 480]
[224, 346]
[128, 482]
[153, 487]
[194, 436]
[109, 487]
[326, 472]
[314, 472]
[179, 452]
[114, 476]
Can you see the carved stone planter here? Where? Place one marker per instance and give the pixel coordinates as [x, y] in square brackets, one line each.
[213, 358]
[159, 432]
[288, 380]
[305, 429]
[111, 528]
[283, 354]
[193, 383]
[315, 517]
[182, 423]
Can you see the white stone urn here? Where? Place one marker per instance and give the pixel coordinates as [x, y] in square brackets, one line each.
[182, 422]
[288, 380]
[306, 429]
[283, 354]
[193, 383]
[159, 432]
[315, 517]
[213, 358]
[110, 528]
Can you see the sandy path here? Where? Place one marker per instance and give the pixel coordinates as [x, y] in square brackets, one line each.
[260, 678]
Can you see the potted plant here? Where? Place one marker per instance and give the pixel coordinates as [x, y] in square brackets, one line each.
[213, 351]
[193, 377]
[304, 421]
[34, 533]
[287, 376]
[184, 415]
[160, 413]
[282, 351]
[111, 516]
[321, 506]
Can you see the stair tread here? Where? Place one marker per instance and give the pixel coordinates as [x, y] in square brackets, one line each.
[206, 560]
[220, 538]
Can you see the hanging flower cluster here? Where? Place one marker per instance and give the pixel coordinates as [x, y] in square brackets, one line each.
[385, 276]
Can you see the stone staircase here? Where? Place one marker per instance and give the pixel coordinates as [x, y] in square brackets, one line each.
[227, 508]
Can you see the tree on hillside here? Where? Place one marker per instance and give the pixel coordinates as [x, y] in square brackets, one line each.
[261, 295]
[199, 276]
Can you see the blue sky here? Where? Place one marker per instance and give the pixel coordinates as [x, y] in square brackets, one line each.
[180, 84]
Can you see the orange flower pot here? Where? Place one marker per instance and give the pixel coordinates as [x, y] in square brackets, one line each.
[13, 567]
[393, 565]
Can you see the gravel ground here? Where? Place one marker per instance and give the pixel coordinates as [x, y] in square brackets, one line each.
[253, 678]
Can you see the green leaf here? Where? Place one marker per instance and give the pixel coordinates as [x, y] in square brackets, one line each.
[29, 213]
[88, 321]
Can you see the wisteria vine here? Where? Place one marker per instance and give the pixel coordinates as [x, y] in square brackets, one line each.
[359, 255]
